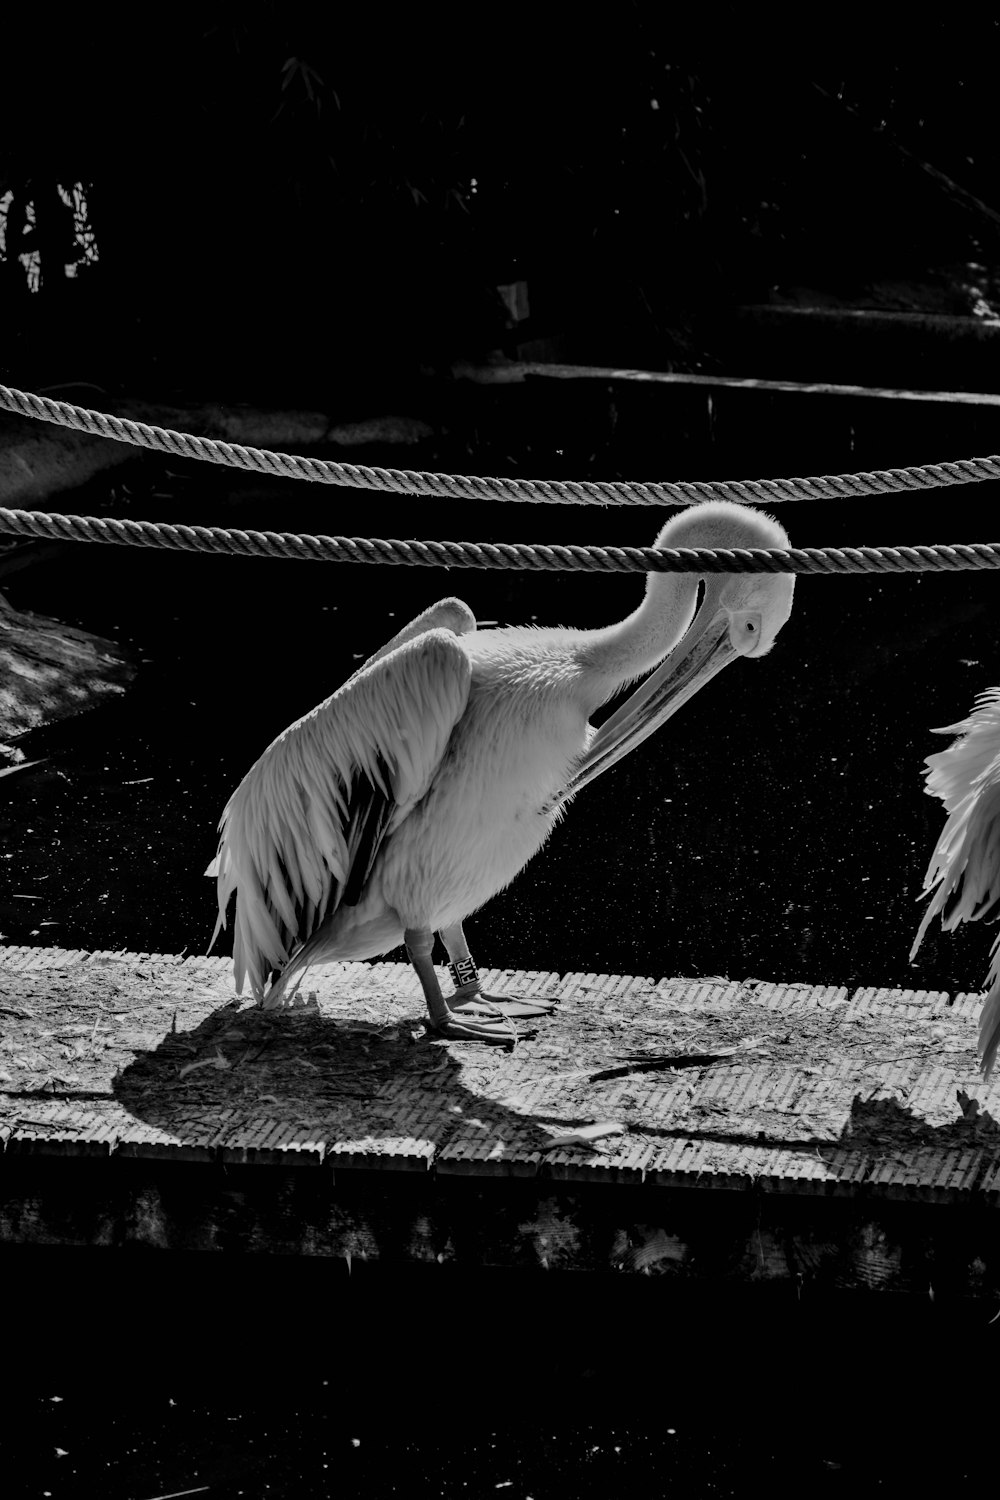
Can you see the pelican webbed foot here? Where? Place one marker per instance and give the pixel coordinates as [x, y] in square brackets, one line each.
[468, 990]
[505, 1005]
[481, 1026]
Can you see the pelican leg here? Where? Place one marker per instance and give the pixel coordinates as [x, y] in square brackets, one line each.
[468, 988]
[480, 1023]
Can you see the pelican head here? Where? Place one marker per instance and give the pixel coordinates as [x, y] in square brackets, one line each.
[739, 615]
[754, 607]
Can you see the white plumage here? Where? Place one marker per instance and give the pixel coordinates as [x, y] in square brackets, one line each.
[424, 785]
[964, 872]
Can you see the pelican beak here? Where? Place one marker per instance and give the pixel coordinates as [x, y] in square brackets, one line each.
[702, 652]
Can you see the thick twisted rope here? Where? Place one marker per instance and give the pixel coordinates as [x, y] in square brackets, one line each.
[515, 555]
[481, 487]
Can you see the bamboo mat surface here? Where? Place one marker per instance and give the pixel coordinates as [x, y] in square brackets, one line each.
[707, 1083]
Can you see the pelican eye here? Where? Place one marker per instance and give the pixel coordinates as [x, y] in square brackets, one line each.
[745, 631]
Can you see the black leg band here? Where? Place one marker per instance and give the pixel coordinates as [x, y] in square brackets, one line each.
[464, 972]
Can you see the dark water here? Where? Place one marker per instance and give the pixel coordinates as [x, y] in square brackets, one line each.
[292, 1379]
[777, 829]
[173, 1446]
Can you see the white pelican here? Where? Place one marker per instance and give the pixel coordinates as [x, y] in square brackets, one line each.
[965, 865]
[422, 786]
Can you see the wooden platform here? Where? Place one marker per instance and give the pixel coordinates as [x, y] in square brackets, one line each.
[767, 1131]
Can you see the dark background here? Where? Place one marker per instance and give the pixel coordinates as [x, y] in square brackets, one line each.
[291, 204]
[290, 210]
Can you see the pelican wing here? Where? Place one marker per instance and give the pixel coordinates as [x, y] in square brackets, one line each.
[302, 831]
[446, 614]
[964, 872]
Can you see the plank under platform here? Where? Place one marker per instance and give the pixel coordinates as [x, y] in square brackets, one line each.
[768, 1131]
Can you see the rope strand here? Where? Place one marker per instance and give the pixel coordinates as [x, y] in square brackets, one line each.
[484, 487]
[520, 556]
